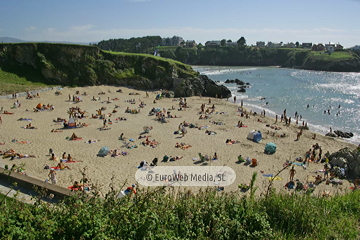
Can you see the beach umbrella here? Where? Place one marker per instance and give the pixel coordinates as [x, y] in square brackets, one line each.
[270, 147]
[103, 151]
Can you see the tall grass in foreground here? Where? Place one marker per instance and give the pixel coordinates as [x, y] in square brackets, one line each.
[168, 214]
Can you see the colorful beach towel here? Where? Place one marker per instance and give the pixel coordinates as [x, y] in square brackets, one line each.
[275, 178]
[268, 175]
[299, 164]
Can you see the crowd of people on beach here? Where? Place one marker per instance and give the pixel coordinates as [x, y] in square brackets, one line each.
[164, 115]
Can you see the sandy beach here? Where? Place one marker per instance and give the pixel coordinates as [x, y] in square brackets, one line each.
[100, 170]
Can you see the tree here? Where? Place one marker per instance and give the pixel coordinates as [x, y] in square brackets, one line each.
[297, 44]
[229, 40]
[223, 42]
[241, 41]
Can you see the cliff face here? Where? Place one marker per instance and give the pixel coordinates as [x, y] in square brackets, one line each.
[251, 56]
[79, 65]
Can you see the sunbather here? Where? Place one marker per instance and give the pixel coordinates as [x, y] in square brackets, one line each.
[74, 137]
[25, 156]
[175, 158]
[62, 166]
[53, 130]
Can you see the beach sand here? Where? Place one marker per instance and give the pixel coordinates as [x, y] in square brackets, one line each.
[100, 170]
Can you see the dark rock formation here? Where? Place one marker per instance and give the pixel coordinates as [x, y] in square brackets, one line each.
[237, 81]
[348, 159]
[80, 65]
[330, 134]
[344, 134]
[201, 85]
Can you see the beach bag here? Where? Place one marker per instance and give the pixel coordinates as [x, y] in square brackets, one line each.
[251, 134]
[257, 137]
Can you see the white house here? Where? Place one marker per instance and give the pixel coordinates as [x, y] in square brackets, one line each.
[190, 43]
[231, 44]
[174, 41]
[355, 48]
[329, 45]
[289, 45]
[213, 43]
[274, 45]
[260, 44]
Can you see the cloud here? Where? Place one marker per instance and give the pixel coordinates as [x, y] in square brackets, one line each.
[81, 28]
[50, 30]
[30, 29]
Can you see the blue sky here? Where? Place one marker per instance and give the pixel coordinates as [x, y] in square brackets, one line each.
[257, 20]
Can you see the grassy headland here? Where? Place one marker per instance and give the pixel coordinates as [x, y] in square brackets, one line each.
[338, 55]
[29, 66]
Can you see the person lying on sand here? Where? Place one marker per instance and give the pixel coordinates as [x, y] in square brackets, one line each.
[59, 120]
[140, 137]
[182, 145]
[175, 158]
[29, 126]
[8, 153]
[232, 141]
[6, 112]
[53, 130]
[204, 117]
[18, 155]
[152, 143]
[92, 141]
[262, 121]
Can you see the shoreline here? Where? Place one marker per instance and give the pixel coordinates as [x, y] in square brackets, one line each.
[123, 168]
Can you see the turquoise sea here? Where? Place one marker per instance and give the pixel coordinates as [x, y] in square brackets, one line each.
[293, 90]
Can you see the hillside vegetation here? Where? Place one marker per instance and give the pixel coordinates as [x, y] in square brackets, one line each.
[240, 55]
[79, 65]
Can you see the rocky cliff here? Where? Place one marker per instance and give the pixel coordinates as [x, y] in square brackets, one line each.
[78, 65]
[339, 61]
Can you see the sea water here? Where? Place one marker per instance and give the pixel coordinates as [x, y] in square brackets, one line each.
[323, 99]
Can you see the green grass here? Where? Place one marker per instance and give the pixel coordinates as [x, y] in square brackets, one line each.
[338, 55]
[159, 213]
[11, 82]
[166, 47]
[148, 56]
